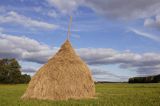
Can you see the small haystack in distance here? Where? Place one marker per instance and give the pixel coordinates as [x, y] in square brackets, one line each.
[65, 76]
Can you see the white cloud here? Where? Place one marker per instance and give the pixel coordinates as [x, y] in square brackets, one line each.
[144, 34]
[117, 9]
[149, 22]
[46, 12]
[153, 23]
[65, 6]
[125, 9]
[13, 17]
[26, 49]
[142, 63]
[109, 56]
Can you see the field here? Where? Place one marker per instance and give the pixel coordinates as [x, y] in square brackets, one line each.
[110, 94]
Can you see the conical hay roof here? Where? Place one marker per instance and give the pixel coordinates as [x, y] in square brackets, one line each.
[63, 77]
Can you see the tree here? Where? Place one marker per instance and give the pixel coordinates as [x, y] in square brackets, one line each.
[25, 78]
[10, 72]
[3, 71]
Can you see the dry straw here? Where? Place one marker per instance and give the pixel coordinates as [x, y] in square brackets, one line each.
[65, 76]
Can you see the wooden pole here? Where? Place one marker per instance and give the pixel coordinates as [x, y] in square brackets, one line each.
[69, 26]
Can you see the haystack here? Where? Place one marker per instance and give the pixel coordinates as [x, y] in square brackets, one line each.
[65, 76]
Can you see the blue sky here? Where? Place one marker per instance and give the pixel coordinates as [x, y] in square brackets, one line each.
[117, 38]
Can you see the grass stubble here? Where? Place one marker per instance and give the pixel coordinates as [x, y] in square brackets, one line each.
[110, 94]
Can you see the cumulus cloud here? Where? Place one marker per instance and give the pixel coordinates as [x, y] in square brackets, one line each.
[24, 48]
[27, 49]
[65, 6]
[13, 17]
[126, 9]
[109, 56]
[125, 60]
[118, 9]
[153, 23]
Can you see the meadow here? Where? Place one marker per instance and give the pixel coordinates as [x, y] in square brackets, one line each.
[109, 94]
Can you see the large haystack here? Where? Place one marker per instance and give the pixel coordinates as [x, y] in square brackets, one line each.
[63, 77]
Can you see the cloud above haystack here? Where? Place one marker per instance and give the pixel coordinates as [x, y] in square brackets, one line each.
[152, 22]
[24, 48]
[15, 18]
[117, 9]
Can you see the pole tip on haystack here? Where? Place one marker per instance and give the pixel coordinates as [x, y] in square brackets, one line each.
[69, 26]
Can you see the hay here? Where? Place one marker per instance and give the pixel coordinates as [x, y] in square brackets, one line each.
[65, 76]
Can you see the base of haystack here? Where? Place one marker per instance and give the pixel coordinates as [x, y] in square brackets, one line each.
[58, 99]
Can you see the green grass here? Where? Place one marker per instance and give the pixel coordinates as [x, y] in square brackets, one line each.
[111, 94]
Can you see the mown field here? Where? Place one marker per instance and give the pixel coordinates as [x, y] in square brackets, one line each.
[111, 94]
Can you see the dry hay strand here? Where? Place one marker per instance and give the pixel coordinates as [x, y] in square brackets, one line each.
[65, 76]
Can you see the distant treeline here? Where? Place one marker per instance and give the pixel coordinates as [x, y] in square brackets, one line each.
[148, 79]
[10, 72]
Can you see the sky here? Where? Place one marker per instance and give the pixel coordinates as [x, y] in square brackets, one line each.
[118, 39]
